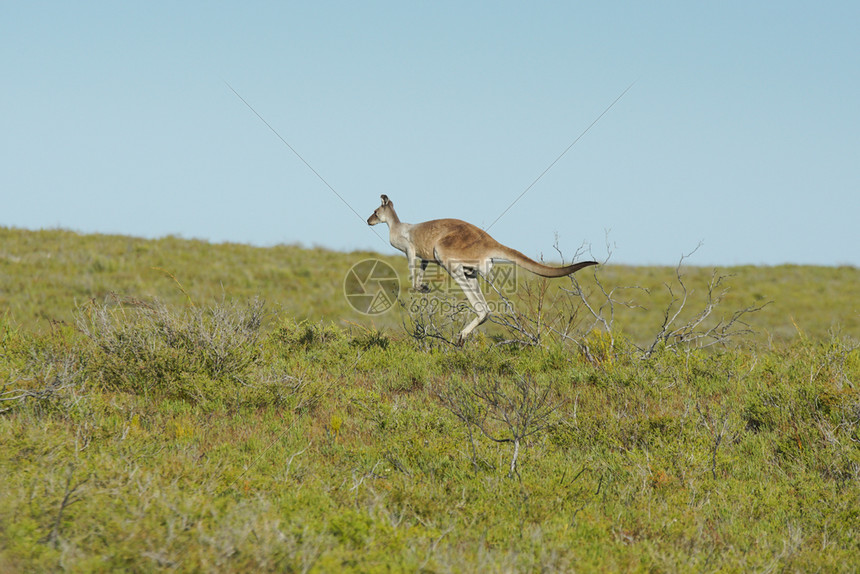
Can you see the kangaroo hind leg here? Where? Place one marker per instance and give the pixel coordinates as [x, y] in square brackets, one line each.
[469, 285]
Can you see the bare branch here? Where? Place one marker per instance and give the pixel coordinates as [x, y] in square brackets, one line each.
[53, 537]
[502, 415]
[694, 331]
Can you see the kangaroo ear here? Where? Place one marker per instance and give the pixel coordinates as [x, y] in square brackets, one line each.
[385, 200]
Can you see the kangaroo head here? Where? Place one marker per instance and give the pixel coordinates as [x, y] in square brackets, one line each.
[384, 213]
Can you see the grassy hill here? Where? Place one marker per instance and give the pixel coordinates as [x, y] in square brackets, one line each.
[45, 275]
[178, 405]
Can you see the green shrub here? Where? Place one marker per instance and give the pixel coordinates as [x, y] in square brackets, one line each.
[143, 347]
[167, 436]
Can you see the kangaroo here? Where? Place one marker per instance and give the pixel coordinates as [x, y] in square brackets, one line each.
[460, 248]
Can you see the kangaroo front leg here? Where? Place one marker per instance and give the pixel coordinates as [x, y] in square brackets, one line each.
[473, 293]
[418, 282]
[416, 270]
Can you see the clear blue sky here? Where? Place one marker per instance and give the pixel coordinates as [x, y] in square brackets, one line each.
[742, 130]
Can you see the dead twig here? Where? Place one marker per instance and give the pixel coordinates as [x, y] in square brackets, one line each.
[69, 499]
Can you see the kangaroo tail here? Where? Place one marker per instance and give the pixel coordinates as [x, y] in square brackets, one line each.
[539, 268]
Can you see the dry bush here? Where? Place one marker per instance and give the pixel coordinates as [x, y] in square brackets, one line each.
[584, 317]
[145, 345]
[50, 377]
[504, 412]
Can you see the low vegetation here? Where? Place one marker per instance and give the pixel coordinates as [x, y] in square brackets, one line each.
[186, 406]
